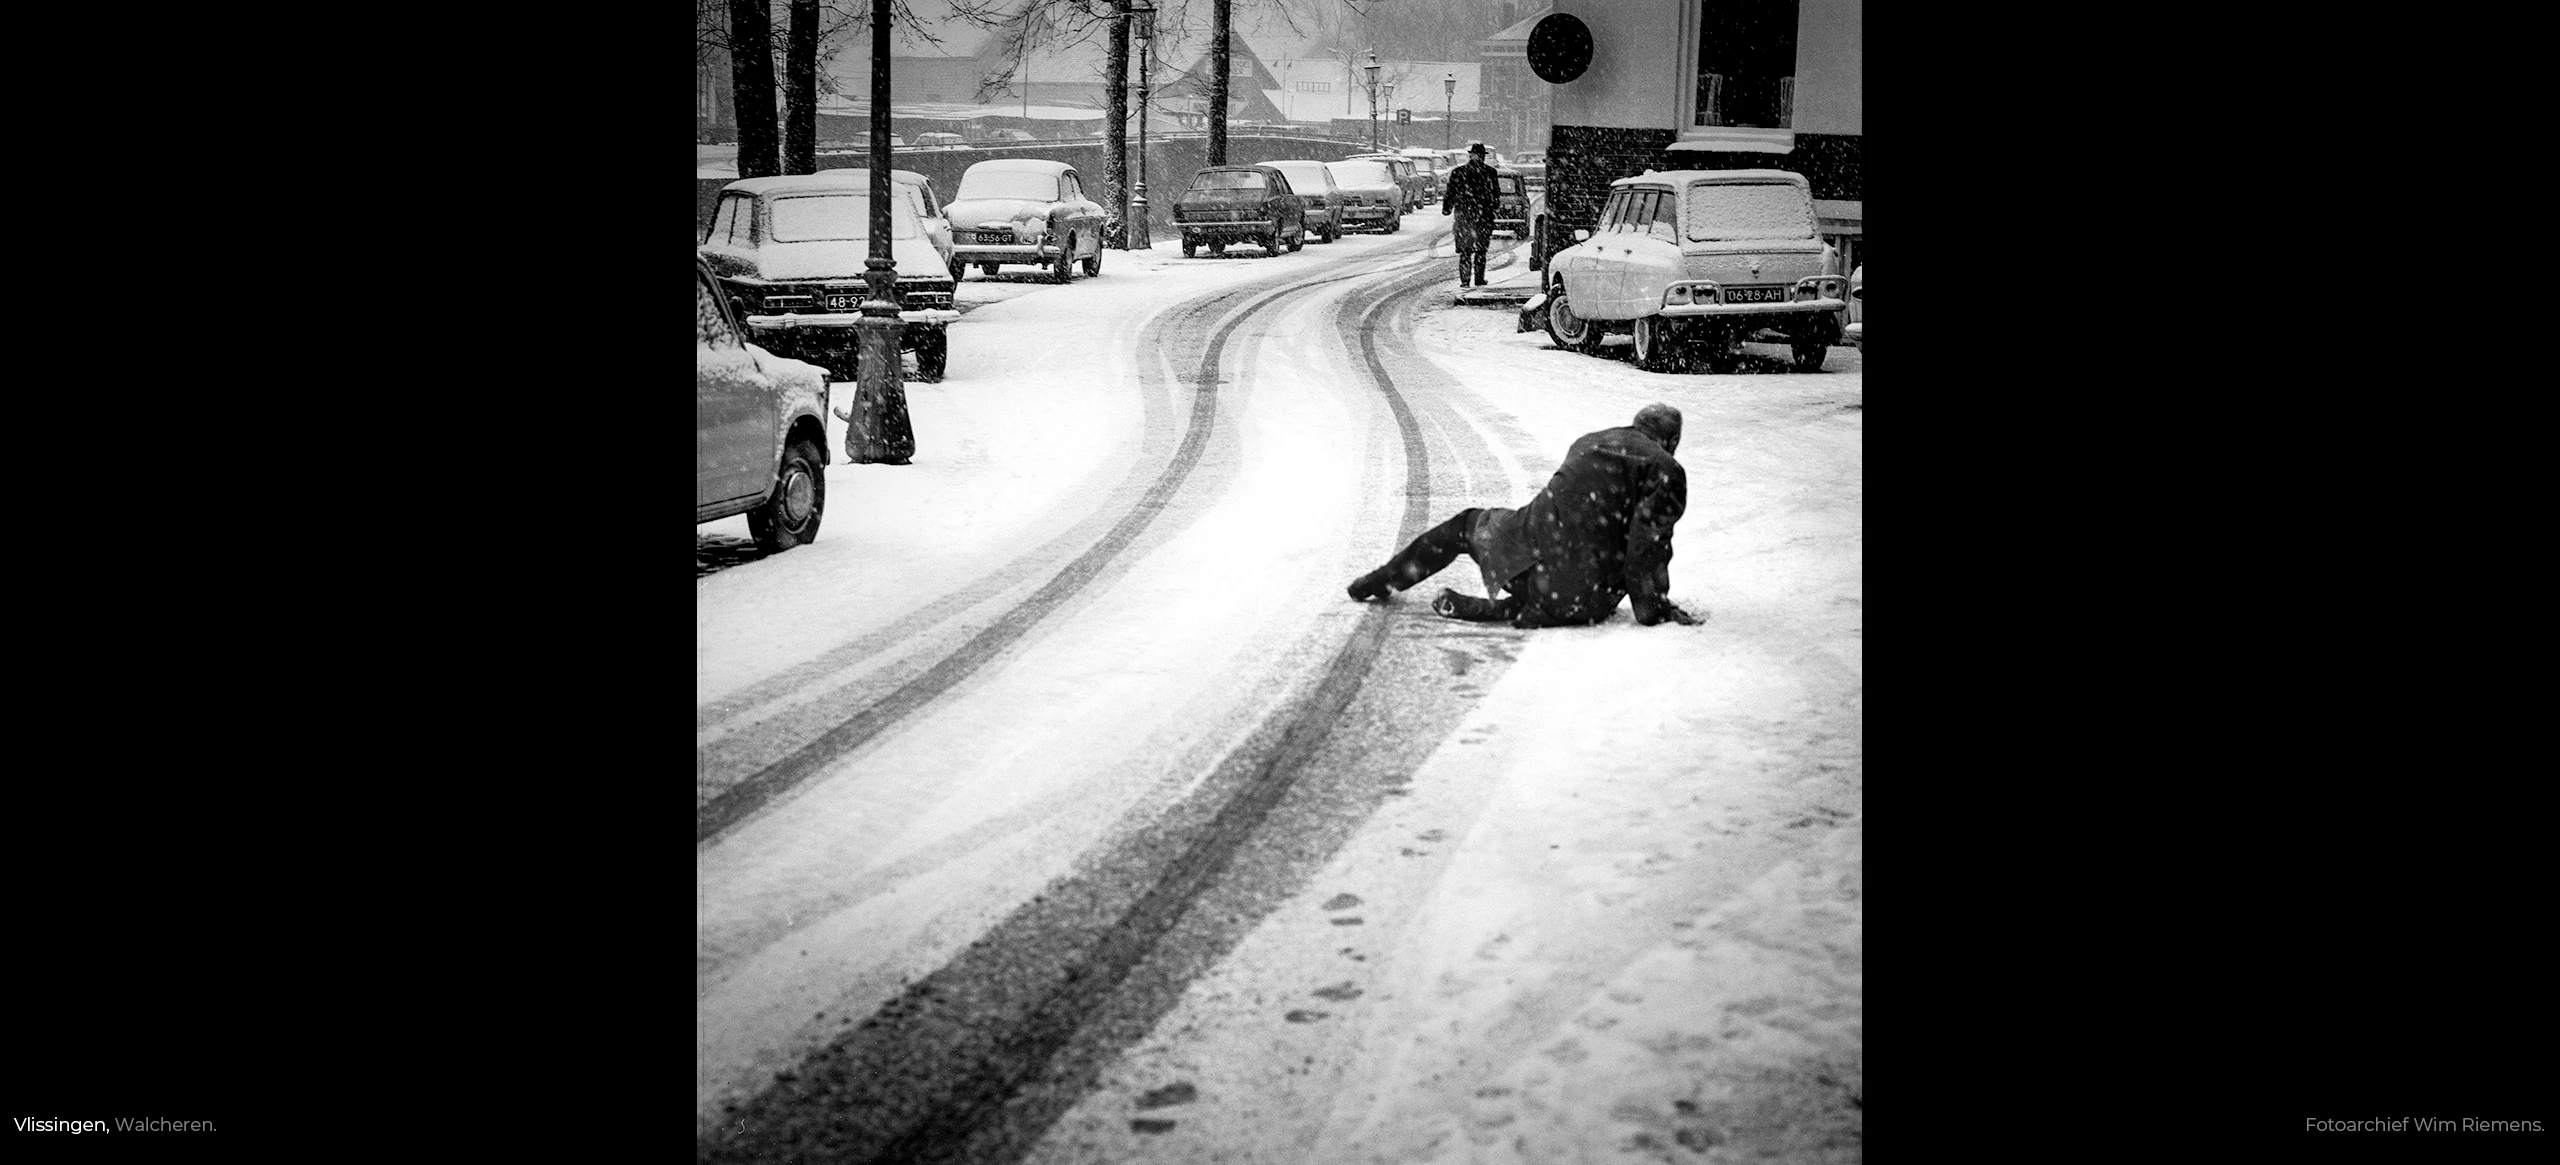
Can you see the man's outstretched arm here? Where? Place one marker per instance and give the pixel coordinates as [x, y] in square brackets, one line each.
[1648, 559]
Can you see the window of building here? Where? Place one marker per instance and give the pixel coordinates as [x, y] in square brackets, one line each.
[1745, 56]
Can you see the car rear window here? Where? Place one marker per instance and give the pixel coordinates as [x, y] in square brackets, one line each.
[1758, 210]
[811, 218]
[1311, 175]
[1345, 173]
[1230, 180]
[1007, 184]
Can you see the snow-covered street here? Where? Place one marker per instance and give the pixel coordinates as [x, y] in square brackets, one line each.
[1056, 804]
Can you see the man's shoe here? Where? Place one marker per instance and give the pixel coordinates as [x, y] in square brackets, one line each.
[1372, 585]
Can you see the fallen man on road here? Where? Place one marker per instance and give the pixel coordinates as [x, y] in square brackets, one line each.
[1599, 532]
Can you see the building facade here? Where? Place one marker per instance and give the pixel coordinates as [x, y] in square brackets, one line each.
[1740, 84]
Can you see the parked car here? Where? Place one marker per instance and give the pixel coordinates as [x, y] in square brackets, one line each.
[1028, 212]
[1371, 199]
[790, 252]
[1314, 185]
[1856, 332]
[1427, 163]
[1408, 178]
[1697, 261]
[936, 141]
[1006, 135]
[760, 427]
[920, 195]
[1240, 204]
[1511, 203]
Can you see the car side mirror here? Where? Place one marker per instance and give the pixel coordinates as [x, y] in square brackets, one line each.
[1580, 234]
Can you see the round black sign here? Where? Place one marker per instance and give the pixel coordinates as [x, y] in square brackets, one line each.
[1559, 48]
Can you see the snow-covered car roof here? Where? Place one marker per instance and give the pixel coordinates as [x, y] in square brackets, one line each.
[909, 177]
[1683, 177]
[782, 183]
[1022, 166]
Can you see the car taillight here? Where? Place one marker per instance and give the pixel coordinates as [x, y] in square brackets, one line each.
[1678, 294]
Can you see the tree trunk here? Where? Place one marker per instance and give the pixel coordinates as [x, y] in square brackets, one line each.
[1115, 133]
[1218, 87]
[800, 91]
[751, 81]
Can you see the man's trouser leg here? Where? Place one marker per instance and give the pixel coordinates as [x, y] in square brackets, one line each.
[1479, 269]
[1438, 547]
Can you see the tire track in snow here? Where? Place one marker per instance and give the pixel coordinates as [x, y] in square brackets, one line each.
[977, 1060]
[775, 775]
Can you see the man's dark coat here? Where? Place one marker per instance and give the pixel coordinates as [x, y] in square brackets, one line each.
[1599, 532]
[1472, 195]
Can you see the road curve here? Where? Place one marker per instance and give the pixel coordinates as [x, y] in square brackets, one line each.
[972, 1060]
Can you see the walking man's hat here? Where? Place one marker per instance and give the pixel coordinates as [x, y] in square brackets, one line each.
[1475, 147]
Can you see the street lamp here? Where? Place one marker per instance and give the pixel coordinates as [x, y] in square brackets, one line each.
[877, 430]
[1143, 26]
[1372, 70]
[1449, 91]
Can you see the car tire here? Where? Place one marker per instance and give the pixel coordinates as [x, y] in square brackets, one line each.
[1394, 225]
[933, 352]
[1190, 249]
[1810, 354]
[1654, 346]
[959, 269]
[988, 269]
[1093, 263]
[790, 517]
[1569, 331]
[1298, 241]
[1064, 269]
[1217, 249]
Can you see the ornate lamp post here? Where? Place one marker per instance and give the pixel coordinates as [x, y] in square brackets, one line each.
[1143, 26]
[1448, 91]
[1372, 70]
[876, 430]
[1391, 104]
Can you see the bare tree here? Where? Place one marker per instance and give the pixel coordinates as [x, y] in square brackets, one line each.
[1115, 134]
[800, 91]
[751, 76]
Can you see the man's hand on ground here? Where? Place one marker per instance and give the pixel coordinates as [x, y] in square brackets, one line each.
[1663, 611]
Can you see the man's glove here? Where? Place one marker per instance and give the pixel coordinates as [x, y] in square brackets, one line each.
[1663, 611]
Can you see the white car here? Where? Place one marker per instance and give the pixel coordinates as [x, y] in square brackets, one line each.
[1372, 199]
[920, 195]
[1025, 211]
[1694, 262]
[792, 253]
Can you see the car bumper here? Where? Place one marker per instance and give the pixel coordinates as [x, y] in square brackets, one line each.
[1221, 232]
[847, 319]
[1806, 307]
[1018, 253]
[1367, 215]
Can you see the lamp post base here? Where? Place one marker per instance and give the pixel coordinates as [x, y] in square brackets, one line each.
[1138, 236]
[876, 430]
